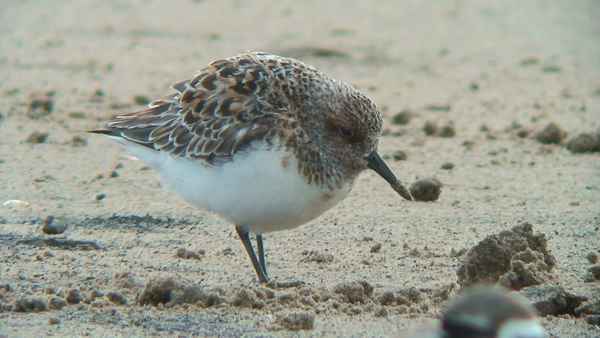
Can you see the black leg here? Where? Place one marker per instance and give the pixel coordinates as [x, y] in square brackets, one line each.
[261, 252]
[258, 266]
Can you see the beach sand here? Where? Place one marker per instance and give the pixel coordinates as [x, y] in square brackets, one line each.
[484, 76]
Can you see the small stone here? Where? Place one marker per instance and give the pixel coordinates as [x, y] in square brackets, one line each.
[185, 253]
[287, 297]
[74, 297]
[117, 298]
[77, 115]
[39, 107]
[448, 166]
[454, 253]
[594, 271]
[31, 304]
[592, 257]
[6, 307]
[53, 321]
[529, 61]
[387, 298]
[523, 133]
[37, 137]
[447, 131]
[426, 190]
[57, 303]
[430, 128]
[583, 143]
[98, 197]
[399, 155]
[367, 287]
[141, 100]
[355, 310]
[296, 320]
[78, 141]
[413, 294]
[244, 298]
[54, 226]
[403, 117]
[376, 247]
[551, 134]
[354, 292]
[114, 174]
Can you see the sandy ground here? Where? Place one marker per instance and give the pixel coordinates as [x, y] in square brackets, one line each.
[512, 66]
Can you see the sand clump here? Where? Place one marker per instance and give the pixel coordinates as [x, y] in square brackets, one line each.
[516, 258]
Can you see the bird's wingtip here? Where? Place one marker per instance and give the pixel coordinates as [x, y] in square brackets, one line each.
[103, 132]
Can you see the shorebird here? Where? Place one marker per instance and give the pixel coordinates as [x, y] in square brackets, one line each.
[267, 142]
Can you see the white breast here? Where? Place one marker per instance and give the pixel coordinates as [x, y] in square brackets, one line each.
[530, 328]
[253, 190]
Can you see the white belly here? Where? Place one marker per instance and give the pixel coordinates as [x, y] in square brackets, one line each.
[253, 190]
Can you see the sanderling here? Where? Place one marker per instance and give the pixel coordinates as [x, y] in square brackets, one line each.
[485, 312]
[267, 142]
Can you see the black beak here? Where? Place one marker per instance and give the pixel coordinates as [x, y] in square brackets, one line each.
[375, 162]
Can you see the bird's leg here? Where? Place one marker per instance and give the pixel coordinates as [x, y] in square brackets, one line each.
[261, 252]
[258, 266]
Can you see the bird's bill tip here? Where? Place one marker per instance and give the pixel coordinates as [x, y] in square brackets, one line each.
[375, 163]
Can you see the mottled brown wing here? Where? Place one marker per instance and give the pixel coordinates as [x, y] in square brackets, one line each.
[227, 106]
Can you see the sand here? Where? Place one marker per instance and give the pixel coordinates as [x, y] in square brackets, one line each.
[483, 76]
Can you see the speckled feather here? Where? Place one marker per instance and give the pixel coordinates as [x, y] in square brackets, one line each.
[235, 102]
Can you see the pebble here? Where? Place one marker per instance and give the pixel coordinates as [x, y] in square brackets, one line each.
[185, 253]
[31, 304]
[117, 298]
[37, 137]
[54, 226]
[39, 107]
[551, 134]
[98, 197]
[592, 257]
[448, 166]
[74, 297]
[296, 320]
[400, 155]
[376, 247]
[426, 190]
[403, 117]
[583, 143]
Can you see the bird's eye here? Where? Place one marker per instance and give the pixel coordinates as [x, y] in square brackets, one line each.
[347, 133]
